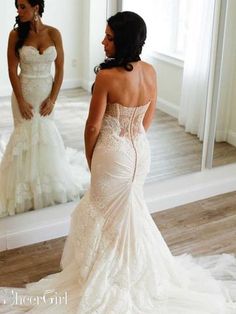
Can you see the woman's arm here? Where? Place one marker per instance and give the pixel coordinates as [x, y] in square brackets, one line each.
[96, 112]
[48, 104]
[13, 61]
[153, 97]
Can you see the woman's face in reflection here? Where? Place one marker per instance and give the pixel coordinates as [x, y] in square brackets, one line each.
[25, 11]
[108, 42]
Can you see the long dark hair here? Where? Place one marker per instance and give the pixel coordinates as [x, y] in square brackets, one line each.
[23, 28]
[129, 37]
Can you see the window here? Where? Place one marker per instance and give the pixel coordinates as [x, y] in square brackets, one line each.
[167, 24]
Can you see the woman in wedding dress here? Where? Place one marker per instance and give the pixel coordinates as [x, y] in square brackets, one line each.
[35, 171]
[115, 260]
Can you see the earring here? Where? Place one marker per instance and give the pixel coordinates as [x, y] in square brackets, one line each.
[36, 16]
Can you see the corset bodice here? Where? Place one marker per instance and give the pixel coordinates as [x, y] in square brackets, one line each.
[35, 78]
[33, 64]
[125, 121]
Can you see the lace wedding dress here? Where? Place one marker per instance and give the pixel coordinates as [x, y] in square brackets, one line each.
[115, 260]
[36, 171]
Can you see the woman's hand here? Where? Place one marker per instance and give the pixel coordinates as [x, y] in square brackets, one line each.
[46, 107]
[26, 110]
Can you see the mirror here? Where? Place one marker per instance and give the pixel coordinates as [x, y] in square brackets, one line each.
[174, 151]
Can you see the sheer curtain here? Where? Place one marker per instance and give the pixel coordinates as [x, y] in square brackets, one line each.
[196, 67]
[226, 93]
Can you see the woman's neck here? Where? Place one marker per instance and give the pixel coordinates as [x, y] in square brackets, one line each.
[36, 26]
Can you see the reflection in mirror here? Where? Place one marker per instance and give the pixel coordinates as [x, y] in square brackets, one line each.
[225, 136]
[36, 170]
[177, 31]
[177, 132]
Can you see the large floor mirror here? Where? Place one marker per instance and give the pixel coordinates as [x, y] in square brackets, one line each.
[191, 45]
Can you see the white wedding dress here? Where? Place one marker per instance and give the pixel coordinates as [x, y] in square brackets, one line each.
[115, 260]
[36, 170]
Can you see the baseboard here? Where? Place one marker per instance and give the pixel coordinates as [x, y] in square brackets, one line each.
[71, 83]
[173, 110]
[221, 136]
[226, 136]
[86, 84]
[168, 107]
[231, 138]
[25, 229]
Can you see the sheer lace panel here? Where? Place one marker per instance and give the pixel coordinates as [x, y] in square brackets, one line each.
[129, 118]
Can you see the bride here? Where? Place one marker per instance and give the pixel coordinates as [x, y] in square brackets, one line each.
[35, 171]
[115, 260]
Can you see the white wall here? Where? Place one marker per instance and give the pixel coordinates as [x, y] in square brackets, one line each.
[7, 20]
[66, 15]
[169, 77]
[94, 22]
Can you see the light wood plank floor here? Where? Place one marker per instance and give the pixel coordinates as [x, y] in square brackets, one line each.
[200, 228]
[174, 152]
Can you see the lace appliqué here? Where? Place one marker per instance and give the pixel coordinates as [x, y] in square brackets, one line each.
[121, 125]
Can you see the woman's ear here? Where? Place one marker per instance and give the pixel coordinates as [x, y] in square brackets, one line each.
[36, 8]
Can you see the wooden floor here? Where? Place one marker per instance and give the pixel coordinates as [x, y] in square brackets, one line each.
[200, 228]
[174, 152]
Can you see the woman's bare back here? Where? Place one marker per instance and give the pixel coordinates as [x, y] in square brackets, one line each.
[132, 88]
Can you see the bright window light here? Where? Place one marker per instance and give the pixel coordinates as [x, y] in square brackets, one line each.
[167, 23]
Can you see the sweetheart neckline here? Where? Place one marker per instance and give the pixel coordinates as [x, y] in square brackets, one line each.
[140, 106]
[29, 46]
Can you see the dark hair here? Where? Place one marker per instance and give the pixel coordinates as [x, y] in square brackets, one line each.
[129, 37]
[23, 28]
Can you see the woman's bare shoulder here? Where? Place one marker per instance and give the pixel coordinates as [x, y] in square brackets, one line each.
[53, 32]
[106, 74]
[13, 35]
[148, 68]
[54, 35]
[105, 78]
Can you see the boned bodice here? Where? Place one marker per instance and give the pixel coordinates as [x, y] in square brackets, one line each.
[125, 121]
[33, 64]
